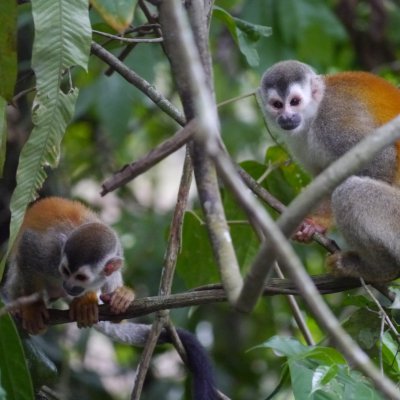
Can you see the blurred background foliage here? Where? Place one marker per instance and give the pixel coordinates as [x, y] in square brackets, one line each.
[115, 124]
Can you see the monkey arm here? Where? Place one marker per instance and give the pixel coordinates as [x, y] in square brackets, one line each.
[318, 222]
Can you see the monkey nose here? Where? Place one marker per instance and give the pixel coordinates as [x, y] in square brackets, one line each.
[73, 290]
[289, 122]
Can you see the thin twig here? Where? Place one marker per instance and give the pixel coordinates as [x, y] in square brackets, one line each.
[381, 309]
[171, 256]
[131, 171]
[128, 40]
[149, 90]
[234, 99]
[175, 234]
[145, 358]
[301, 323]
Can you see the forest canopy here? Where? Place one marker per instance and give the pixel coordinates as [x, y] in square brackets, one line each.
[149, 113]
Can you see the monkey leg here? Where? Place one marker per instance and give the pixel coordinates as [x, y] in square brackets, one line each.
[85, 310]
[34, 317]
[367, 213]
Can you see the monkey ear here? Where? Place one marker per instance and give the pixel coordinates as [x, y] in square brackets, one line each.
[317, 87]
[112, 265]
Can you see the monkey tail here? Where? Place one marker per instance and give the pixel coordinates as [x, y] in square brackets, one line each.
[200, 366]
[198, 361]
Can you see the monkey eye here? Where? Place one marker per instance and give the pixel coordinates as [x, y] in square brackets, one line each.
[65, 271]
[295, 101]
[81, 277]
[277, 104]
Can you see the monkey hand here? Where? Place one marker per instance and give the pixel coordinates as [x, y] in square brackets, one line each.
[307, 229]
[34, 317]
[85, 310]
[119, 300]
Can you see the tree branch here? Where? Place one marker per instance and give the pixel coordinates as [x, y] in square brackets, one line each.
[190, 63]
[149, 90]
[136, 168]
[208, 294]
[171, 256]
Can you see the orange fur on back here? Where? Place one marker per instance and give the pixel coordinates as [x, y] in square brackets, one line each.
[381, 98]
[53, 211]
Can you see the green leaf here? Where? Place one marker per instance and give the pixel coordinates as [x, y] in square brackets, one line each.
[117, 13]
[43, 370]
[245, 34]
[390, 352]
[283, 345]
[292, 173]
[15, 378]
[8, 48]
[325, 355]
[62, 40]
[3, 135]
[318, 372]
[196, 265]
[3, 394]
[365, 334]
[323, 375]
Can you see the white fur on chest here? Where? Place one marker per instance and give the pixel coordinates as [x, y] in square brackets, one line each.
[307, 151]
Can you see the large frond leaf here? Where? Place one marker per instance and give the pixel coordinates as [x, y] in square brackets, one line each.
[62, 40]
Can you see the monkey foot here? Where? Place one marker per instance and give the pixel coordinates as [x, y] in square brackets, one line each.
[307, 230]
[120, 300]
[85, 310]
[34, 317]
[342, 264]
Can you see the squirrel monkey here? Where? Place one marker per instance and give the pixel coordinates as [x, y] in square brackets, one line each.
[63, 250]
[322, 117]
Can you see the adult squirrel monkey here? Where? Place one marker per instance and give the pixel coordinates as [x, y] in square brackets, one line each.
[65, 251]
[322, 117]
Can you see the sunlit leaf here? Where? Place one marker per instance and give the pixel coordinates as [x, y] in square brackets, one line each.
[117, 13]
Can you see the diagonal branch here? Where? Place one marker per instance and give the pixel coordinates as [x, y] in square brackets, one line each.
[131, 171]
[132, 77]
[187, 51]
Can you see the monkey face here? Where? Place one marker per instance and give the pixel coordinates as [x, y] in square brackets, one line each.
[291, 93]
[89, 256]
[288, 111]
[84, 279]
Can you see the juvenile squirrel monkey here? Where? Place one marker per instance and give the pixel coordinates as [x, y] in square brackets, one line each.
[322, 117]
[65, 251]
